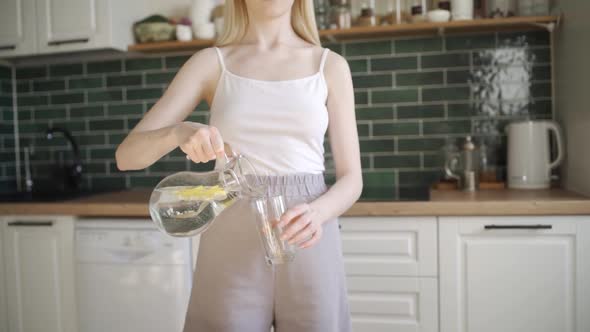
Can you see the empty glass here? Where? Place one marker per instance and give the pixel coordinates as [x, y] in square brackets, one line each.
[268, 211]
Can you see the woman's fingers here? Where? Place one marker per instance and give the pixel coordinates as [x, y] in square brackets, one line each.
[207, 148]
[291, 214]
[315, 238]
[190, 152]
[294, 227]
[305, 234]
[204, 145]
[217, 142]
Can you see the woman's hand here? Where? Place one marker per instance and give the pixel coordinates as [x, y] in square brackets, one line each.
[301, 226]
[201, 143]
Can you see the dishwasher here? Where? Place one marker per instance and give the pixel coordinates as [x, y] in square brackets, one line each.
[130, 276]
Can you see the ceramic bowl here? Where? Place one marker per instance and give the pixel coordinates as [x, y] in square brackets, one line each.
[438, 15]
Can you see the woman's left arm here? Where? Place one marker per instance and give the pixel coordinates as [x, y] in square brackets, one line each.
[305, 221]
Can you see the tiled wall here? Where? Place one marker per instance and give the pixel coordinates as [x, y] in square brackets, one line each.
[412, 96]
[7, 160]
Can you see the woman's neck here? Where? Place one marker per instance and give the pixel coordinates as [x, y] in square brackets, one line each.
[270, 32]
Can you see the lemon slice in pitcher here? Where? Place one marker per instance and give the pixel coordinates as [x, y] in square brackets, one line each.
[202, 193]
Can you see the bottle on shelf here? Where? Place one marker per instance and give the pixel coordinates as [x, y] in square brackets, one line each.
[322, 9]
[462, 10]
[367, 16]
[340, 14]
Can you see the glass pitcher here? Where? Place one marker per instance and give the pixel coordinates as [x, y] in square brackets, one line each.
[186, 203]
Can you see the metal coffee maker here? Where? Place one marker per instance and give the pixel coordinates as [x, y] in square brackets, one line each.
[464, 166]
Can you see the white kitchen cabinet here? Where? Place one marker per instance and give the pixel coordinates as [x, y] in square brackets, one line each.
[385, 246]
[71, 24]
[17, 27]
[391, 269]
[400, 304]
[78, 25]
[39, 269]
[3, 312]
[514, 274]
[29, 27]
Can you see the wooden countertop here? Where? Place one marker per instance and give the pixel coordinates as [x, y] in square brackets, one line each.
[133, 203]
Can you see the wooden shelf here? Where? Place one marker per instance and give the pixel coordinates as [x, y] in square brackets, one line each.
[480, 25]
[406, 29]
[171, 46]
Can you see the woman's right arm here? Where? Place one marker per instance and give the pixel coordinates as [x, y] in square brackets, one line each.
[163, 128]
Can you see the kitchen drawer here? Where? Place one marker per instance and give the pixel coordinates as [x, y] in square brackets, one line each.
[393, 304]
[386, 246]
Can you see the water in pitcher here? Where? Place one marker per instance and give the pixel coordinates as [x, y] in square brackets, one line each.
[188, 210]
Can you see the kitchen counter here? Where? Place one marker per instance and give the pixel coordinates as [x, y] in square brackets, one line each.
[133, 203]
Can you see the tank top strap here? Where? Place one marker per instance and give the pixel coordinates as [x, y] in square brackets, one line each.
[323, 59]
[220, 56]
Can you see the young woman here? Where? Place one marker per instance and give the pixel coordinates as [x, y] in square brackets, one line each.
[273, 93]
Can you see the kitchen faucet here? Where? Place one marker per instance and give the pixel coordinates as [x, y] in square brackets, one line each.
[74, 172]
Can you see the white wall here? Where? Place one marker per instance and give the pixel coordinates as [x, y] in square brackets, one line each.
[573, 91]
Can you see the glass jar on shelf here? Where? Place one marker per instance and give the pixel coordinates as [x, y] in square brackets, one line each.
[533, 7]
[500, 8]
[367, 16]
[322, 11]
[416, 10]
[392, 16]
[340, 14]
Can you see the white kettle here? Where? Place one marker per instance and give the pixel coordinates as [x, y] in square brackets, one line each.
[529, 164]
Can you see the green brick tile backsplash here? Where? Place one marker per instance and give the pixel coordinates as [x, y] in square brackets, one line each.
[50, 85]
[87, 111]
[412, 95]
[85, 83]
[423, 78]
[5, 74]
[420, 111]
[109, 66]
[446, 60]
[67, 98]
[368, 48]
[7, 156]
[173, 62]
[66, 70]
[105, 95]
[470, 42]
[143, 64]
[374, 113]
[418, 45]
[372, 81]
[394, 96]
[394, 63]
[123, 80]
[358, 65]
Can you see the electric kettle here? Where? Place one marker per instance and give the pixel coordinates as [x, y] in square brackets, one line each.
[529, 153]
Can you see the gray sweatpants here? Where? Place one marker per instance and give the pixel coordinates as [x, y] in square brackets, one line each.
[234, 290]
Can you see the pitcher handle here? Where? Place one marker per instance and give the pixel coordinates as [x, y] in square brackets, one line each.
[552, 126]
[228, 153]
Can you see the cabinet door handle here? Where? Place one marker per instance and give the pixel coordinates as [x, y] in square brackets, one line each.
[7, 47]
[67, 41]
[539, 226]
[31, 223]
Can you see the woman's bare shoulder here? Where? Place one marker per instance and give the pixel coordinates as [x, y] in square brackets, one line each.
[205, 58]
[336, 67]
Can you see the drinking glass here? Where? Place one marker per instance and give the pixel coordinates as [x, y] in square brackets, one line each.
[268, 210]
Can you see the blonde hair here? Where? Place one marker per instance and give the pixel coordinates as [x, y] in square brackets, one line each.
[236, 22]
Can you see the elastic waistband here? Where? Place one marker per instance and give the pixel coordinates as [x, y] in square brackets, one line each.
[300, 184]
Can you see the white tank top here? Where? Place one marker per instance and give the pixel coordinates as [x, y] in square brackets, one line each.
[278, 125]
